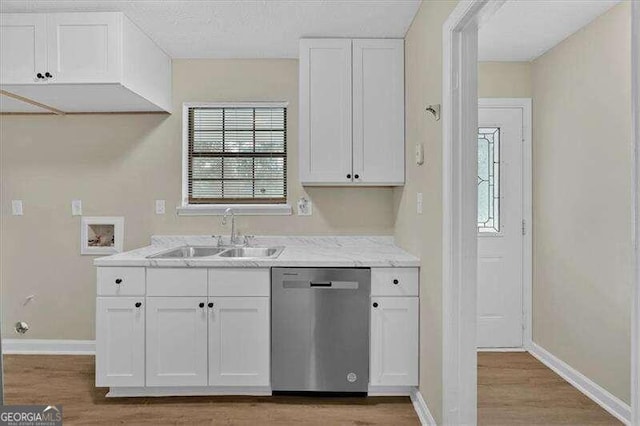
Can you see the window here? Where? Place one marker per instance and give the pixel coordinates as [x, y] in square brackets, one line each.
[489, 180]
[235, 154]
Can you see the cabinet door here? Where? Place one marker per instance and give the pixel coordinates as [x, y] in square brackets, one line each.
[378, 111]
[119, 341]
[176, 341]
[325, 111]
[84, 47]
[239, 341]
[23, 47]
[394, 341]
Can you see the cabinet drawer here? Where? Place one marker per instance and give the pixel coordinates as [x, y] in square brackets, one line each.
[176, 282]
[394, 281]
[118, 281]
[239, 282]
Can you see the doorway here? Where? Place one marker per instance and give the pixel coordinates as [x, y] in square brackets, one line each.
[504, 212]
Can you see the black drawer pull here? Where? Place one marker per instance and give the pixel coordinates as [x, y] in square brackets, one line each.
[118, 280]
[210, 304]
[138, 304]
[201, 304]
[395, 281]
[375, 304]
[320, 284]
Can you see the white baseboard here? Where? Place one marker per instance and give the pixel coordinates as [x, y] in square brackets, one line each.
[48, 347]
[152, 391]
[390, 390]
[419, 404]
[595, 392]
[501, 350]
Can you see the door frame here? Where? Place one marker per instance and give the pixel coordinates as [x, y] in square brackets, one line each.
[635, 108]
[524, 104]
[459, 208]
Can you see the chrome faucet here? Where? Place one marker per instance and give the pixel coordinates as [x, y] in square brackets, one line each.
[233, 239]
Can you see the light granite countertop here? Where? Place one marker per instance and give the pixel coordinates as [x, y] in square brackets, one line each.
[342, 251]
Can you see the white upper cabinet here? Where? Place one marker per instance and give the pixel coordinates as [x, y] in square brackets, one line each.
[84, 47]
[325, 111]
[23, 47]
[352, 112]
[83, 62]
[378, 111]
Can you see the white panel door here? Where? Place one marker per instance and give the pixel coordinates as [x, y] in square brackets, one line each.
[394, 341]
[325, 111]
[120, 341]
[84, 47]
[378, 111]
[23, 47]
[176, 341]
[500, 214]
[239, 342]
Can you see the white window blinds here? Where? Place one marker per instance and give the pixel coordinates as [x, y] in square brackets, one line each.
[237, 155]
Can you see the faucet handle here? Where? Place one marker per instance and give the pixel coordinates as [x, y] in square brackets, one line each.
[248, 239]
[218, 239]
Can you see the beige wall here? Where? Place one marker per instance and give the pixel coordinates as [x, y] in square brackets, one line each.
[504, 80]
[422, 234]
[582, 201]
[118, 165]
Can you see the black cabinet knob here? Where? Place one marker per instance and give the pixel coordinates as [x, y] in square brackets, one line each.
[356, 176]
[48, 74]
[201, 305]
[349, 176]
[395, 281]
[39, 75]
[375, 304]
[138, 304]
[210, 304]
[118, 280]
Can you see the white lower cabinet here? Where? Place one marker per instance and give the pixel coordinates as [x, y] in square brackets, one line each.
[394, 341]
[176, 341]
[239, 342]
[120, 326]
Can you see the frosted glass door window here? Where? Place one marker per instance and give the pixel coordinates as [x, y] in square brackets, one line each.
[489, 179]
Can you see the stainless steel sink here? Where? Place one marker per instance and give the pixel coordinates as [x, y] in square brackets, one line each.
[185, 252]
[253, 252]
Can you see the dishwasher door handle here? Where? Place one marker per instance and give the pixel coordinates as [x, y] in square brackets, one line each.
[337, 285]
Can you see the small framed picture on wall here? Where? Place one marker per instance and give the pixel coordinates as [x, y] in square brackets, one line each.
[101, 235]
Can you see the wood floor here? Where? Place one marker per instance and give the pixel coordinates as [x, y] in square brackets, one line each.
[69, 380]
[513, 388]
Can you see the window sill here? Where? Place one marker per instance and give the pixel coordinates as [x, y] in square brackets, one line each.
[238, 209]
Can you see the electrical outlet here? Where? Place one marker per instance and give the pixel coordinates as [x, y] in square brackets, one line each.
[16, 207]
[160, 206]
[419, 202]
[305, 207]
[76, 207]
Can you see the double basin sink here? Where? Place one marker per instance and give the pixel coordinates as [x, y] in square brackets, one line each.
[190, 252]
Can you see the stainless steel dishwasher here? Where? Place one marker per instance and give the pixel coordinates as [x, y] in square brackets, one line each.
[320, 329]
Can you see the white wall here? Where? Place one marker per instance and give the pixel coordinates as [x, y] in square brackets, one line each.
[118, 165]
[582, 213]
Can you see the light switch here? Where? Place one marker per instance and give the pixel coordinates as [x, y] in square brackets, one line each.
[419, 154]
[16, 207]
[160, 206]
[419, 202]
[76, 207]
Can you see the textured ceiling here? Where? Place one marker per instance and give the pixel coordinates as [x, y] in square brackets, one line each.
[522, 30]
[243, 28]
